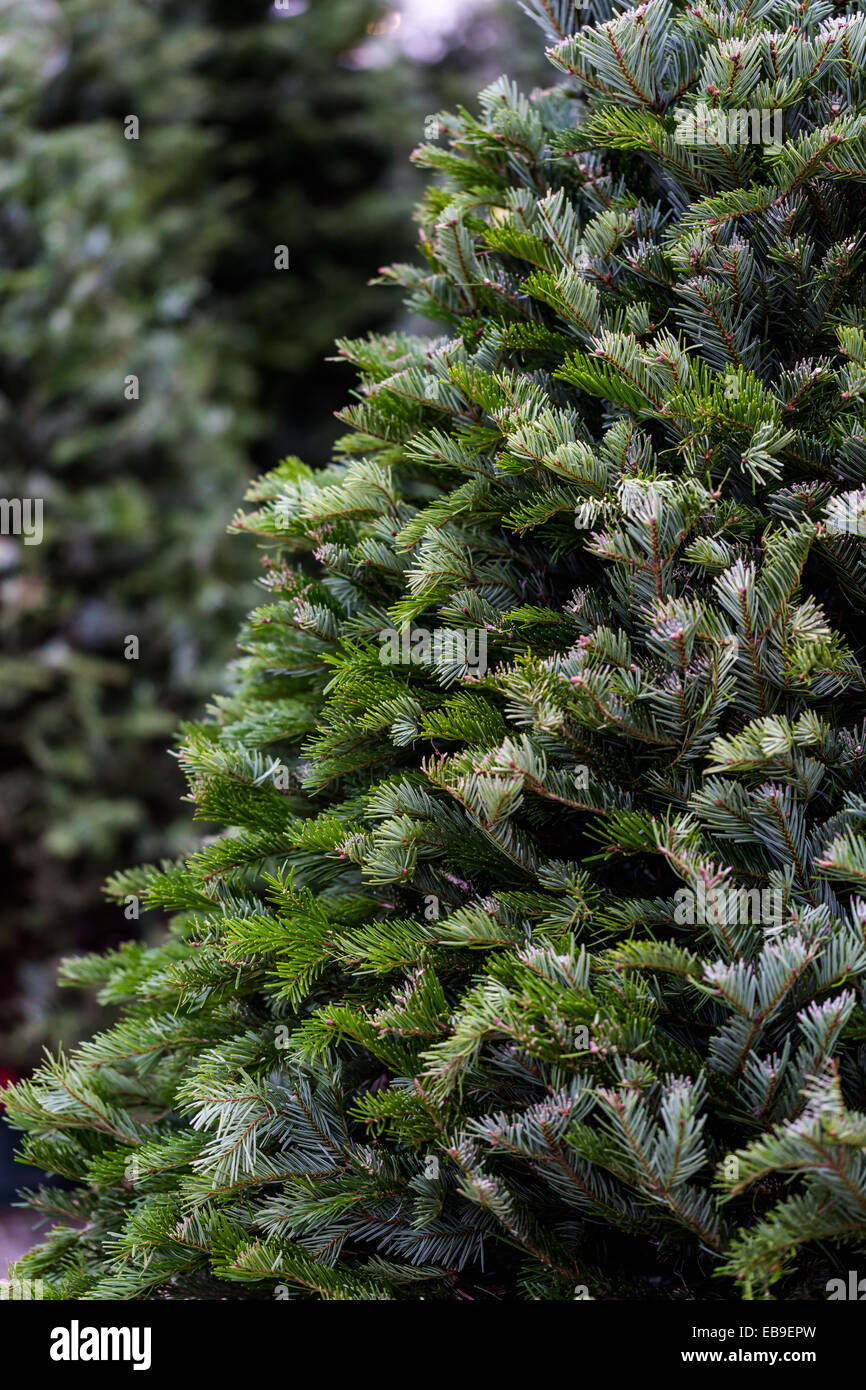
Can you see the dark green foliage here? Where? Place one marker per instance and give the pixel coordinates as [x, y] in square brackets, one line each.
[431, 1020]
[156, 257]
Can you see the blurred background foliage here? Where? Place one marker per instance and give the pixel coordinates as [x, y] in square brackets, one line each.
[155, 257]
[259, 124]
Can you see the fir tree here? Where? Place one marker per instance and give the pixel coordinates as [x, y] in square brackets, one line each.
[432, 1019]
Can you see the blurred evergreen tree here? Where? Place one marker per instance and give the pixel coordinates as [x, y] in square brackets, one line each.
[154, 258]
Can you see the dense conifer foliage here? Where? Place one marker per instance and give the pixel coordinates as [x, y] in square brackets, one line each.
[530, 963]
